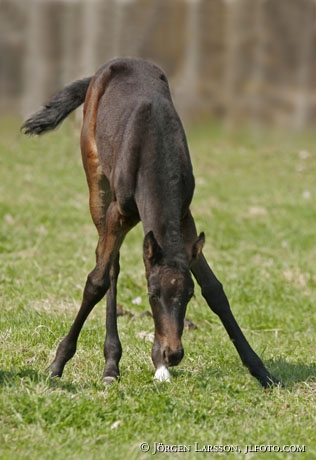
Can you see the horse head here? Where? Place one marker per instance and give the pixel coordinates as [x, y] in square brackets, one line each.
[170, 287]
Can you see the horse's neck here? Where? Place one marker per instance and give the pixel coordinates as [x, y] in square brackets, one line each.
[162, 199]
[165, 223]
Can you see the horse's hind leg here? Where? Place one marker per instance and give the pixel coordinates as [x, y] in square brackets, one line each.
[96, 286]
[212, 291]
[112, 344]
[110, 239]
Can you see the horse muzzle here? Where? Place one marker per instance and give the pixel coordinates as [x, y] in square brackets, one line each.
[172, 356]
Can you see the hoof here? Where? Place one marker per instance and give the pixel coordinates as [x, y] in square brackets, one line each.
[269, 382]
[53, 372]
[162, 374]
[108, 380]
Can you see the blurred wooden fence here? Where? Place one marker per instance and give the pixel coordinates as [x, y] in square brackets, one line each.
[239, 60]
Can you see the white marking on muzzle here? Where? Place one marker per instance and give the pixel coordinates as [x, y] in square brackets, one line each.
[162, 374]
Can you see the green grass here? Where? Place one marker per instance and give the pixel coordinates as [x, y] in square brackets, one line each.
[255, 199]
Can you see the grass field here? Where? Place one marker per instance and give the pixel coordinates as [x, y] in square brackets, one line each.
[256, 201]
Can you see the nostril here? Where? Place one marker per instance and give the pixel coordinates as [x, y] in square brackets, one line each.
[173, 357]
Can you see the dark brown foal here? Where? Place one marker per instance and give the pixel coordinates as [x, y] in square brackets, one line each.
[138, 168]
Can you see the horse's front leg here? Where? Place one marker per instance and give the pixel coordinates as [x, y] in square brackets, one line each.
[215, 296]
[112, 344]
[212, 291]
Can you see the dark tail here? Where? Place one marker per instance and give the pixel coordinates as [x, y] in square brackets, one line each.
[57, 108]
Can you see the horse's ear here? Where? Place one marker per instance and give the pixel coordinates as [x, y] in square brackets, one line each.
[197, 246]
[152, 252]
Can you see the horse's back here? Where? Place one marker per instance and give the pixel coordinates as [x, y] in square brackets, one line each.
[130, 87]
[137, 134]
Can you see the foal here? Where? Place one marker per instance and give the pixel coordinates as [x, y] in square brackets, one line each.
[138, 168]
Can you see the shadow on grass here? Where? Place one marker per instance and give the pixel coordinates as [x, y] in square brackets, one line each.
[28, 375]
[287, 372]
[291, 373]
